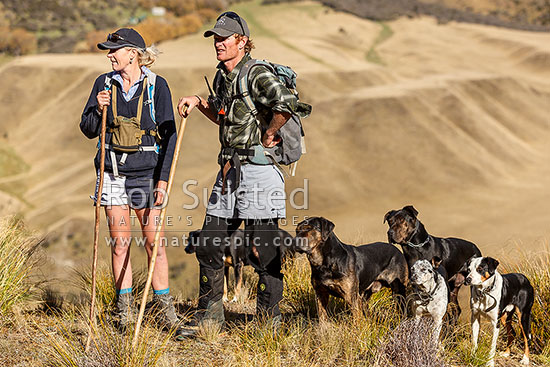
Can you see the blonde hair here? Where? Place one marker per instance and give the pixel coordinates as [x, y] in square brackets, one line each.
[249, 44]
[146, 57]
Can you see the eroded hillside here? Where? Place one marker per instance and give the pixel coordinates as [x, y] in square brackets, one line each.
[452, 118]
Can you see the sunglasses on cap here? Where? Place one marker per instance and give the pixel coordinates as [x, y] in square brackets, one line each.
[114, 37]
[234, 16]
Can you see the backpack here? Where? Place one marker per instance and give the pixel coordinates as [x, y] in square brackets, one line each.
[151, 79]
[292, 144]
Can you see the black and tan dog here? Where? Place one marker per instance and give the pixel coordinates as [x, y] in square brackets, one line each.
[236, 254]
[405, 229]
[498, 296]
[345, 271]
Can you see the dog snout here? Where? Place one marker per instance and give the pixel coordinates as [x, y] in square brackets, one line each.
[301, 245]
[468, 281]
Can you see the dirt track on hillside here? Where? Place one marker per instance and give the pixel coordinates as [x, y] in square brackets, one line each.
[455, 121]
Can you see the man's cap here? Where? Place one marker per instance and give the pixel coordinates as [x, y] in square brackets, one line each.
[227, 24]
[122, 38]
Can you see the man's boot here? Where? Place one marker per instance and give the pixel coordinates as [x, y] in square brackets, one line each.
[210, 307]
[269, 294]
[125, 312]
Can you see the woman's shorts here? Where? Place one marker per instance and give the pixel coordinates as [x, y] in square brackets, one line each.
[260, 195]
[137, 192]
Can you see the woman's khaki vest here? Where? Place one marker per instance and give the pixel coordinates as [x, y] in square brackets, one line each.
[127, 132]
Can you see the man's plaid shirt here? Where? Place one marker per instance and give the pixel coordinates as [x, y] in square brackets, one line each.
[239, 129]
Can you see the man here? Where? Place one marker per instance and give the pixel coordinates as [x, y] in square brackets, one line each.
[249, 187]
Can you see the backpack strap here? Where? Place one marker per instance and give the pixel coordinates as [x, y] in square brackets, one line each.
[151, 80]
[242, 84]
[108, 80]
[114, 102]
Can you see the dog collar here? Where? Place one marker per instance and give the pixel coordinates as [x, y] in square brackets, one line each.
[486, 292]
[409, 243]
[426, 297]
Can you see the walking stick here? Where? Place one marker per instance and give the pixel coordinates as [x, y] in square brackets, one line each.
[158, 230]
[96, 232]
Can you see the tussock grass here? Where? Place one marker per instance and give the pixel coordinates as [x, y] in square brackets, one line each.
[298, 294]
[536, 267]
[105, 287]
[67, 331]
[377, 336]
[18, 256]
[65, 344]
[345, 340]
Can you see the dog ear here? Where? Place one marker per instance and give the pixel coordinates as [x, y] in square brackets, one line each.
[464, 269]
[492, 264]
[326, 228]
[411, 210]
[436, 261]
[388, 215]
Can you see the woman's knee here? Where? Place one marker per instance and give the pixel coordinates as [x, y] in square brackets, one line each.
[120, 250]
[161, 252]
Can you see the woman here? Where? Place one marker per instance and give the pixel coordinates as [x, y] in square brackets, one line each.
[140, 142]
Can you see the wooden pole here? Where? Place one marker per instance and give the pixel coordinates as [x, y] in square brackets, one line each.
[157, 233]
[92, 320]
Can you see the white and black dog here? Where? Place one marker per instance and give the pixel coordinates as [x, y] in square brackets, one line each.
[497, 296]
[431, 294]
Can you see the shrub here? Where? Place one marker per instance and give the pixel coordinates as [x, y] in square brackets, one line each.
[18, 254]
[17, 41]
[411, 344]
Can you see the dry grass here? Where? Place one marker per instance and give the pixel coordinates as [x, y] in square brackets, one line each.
[18, 256]
[105, 287]
[378, 336]
[109, 347]
[537, 269]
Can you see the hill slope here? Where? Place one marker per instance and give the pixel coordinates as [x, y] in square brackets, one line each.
[452, 119]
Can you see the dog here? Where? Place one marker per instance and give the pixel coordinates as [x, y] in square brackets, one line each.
[497, 296]
[405, 229]
[236, 255]
[430, 292]
[348, 272]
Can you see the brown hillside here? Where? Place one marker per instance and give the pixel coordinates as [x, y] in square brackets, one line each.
[454, 120]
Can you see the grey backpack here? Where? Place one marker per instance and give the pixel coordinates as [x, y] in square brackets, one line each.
[292, 144]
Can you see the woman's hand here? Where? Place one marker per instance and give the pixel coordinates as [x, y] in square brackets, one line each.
[103, 100]
[160, 192]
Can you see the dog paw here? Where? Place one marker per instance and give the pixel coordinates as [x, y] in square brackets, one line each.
[524, 361]
[234, 300]
[225, 299]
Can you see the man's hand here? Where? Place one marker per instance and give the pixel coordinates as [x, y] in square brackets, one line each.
[160, 192]
[190, 102]
[269, 140]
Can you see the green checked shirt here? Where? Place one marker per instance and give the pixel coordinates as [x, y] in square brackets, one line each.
[239, 128]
